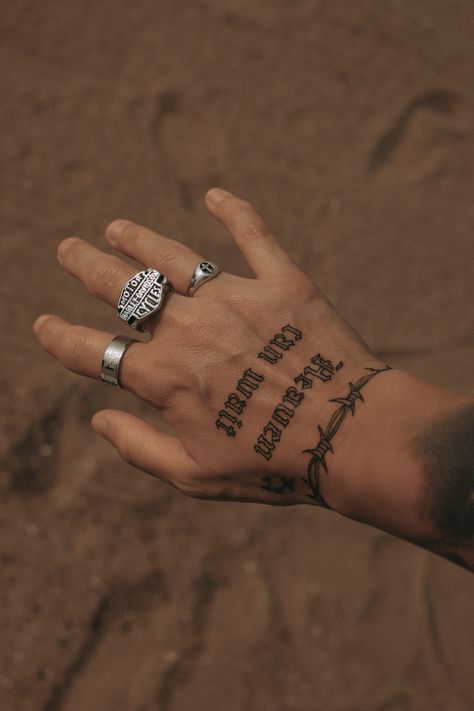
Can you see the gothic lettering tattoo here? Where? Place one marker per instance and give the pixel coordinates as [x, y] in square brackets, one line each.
[250, 381]
[320, 369]
[324, 444]
[285, 484]
[246, 386]
[226, 422]
[280, 343]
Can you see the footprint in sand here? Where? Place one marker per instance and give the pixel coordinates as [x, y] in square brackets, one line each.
[423, 139]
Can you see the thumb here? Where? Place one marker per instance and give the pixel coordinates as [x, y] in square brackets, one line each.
[143, 446]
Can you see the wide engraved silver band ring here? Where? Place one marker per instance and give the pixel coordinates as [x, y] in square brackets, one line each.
[205, 271]
[112, 358]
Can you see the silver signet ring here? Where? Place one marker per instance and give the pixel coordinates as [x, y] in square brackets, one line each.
[142, 297]
[205, 271]
[113, 354]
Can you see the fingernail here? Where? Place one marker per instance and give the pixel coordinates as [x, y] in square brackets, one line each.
[115, 229]
[39, 322]
[100, 425]
[62, 247]
[216, 195]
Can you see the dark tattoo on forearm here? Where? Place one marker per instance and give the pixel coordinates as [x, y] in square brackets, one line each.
[285, 484]
[324, 445]
[446, 449]
[280, 343]
[323, 370]
[460, 554]
[235, 403]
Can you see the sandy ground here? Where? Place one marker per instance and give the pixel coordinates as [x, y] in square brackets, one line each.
[350, 125]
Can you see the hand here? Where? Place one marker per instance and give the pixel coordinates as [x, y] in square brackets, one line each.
[272, 396]
[244, 371]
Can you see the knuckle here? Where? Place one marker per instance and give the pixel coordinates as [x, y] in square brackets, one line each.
[183, 320]
[155, 384]
[72, 346]
[104, 274]
[123, 448]
[255, 230]
[169, 253]
[180, 315]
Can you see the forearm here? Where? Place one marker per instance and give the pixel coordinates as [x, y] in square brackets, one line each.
[406, 464]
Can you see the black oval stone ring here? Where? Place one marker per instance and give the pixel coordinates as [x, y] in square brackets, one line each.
[142, 297]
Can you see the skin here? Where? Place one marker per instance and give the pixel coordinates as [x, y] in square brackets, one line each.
[379, 469]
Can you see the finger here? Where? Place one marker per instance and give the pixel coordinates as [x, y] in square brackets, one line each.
[102, 274]
[146, 448]
[175, 260]
[80, 349]
[262, 251]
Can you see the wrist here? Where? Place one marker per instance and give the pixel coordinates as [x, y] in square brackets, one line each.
[381, 479]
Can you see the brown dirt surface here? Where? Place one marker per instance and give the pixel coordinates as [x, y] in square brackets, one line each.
[350, 125]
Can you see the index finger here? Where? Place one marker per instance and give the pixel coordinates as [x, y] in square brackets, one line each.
[261, 249]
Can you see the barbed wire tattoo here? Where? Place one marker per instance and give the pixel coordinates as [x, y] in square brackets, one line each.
[324, 445]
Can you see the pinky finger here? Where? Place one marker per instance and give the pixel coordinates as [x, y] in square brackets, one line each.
[81, 349]
[143, 446]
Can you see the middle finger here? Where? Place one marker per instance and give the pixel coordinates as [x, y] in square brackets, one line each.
[177, 260]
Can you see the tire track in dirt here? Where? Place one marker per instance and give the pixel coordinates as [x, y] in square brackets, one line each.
[204, 590]
[167, 104]
[112, 606]
[439, 101]
[31, 461]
